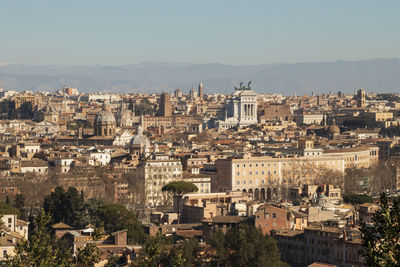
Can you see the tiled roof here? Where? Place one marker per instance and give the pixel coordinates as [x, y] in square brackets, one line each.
[61, 225]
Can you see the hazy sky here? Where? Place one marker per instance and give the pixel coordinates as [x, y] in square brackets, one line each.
[120, 32]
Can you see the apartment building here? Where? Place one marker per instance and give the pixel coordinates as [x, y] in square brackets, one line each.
[264, 176]
[156, 173]
[328, 245]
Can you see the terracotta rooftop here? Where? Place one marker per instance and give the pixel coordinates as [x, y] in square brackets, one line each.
[61, 225]
[225, 219]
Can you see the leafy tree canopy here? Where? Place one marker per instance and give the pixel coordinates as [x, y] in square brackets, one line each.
[362, 121]
[69, 207]
[357, 198]
[144, 108]
[245, 246]
[388, 97]
[179, 188]
[65, 206]
[117, 217]
[380, 241]
[89, 255]
[8, 209]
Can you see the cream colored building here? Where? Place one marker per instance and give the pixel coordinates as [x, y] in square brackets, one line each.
[264, 177]
[15, 224]
[13, 230]
[381, 116]
[156, 173]
[307, 119]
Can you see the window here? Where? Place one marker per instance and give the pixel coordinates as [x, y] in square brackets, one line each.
[4, 253]
[274, 215]
[238, 173]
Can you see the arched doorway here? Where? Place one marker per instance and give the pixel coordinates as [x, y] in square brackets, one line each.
[257, 194]
[244, 191]
[262, 195]
[251, 193]
[269, 194]
[275, 192]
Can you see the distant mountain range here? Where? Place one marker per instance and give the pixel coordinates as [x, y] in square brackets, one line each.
[378, 75]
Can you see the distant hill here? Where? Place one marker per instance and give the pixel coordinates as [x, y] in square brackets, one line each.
[378, 75]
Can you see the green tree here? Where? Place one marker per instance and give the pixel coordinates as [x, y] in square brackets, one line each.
[362, 121]
[184, 254]
[19, 203]
[38, 250]
[245, 246]
[65, 206]
[112, 261]
[8, 209]
[381, 241]
[98, 232]
[88, 255]
[177, 259]
[179, 189]
[357, 198]
[116, 217]
[153, 251]
[144, 108]
[25, 111]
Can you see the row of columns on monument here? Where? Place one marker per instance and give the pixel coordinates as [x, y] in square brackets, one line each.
[248, 110]
[263, 194]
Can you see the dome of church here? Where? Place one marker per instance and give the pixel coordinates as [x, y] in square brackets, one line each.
[49, 109]
[105, 116]
[333, 129]
[178, 93]
[124, 118]
[140, 139]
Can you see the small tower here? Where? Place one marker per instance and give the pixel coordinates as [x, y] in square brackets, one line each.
[201, 91]
[193, 93]
[165, 109]
[361, 98]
